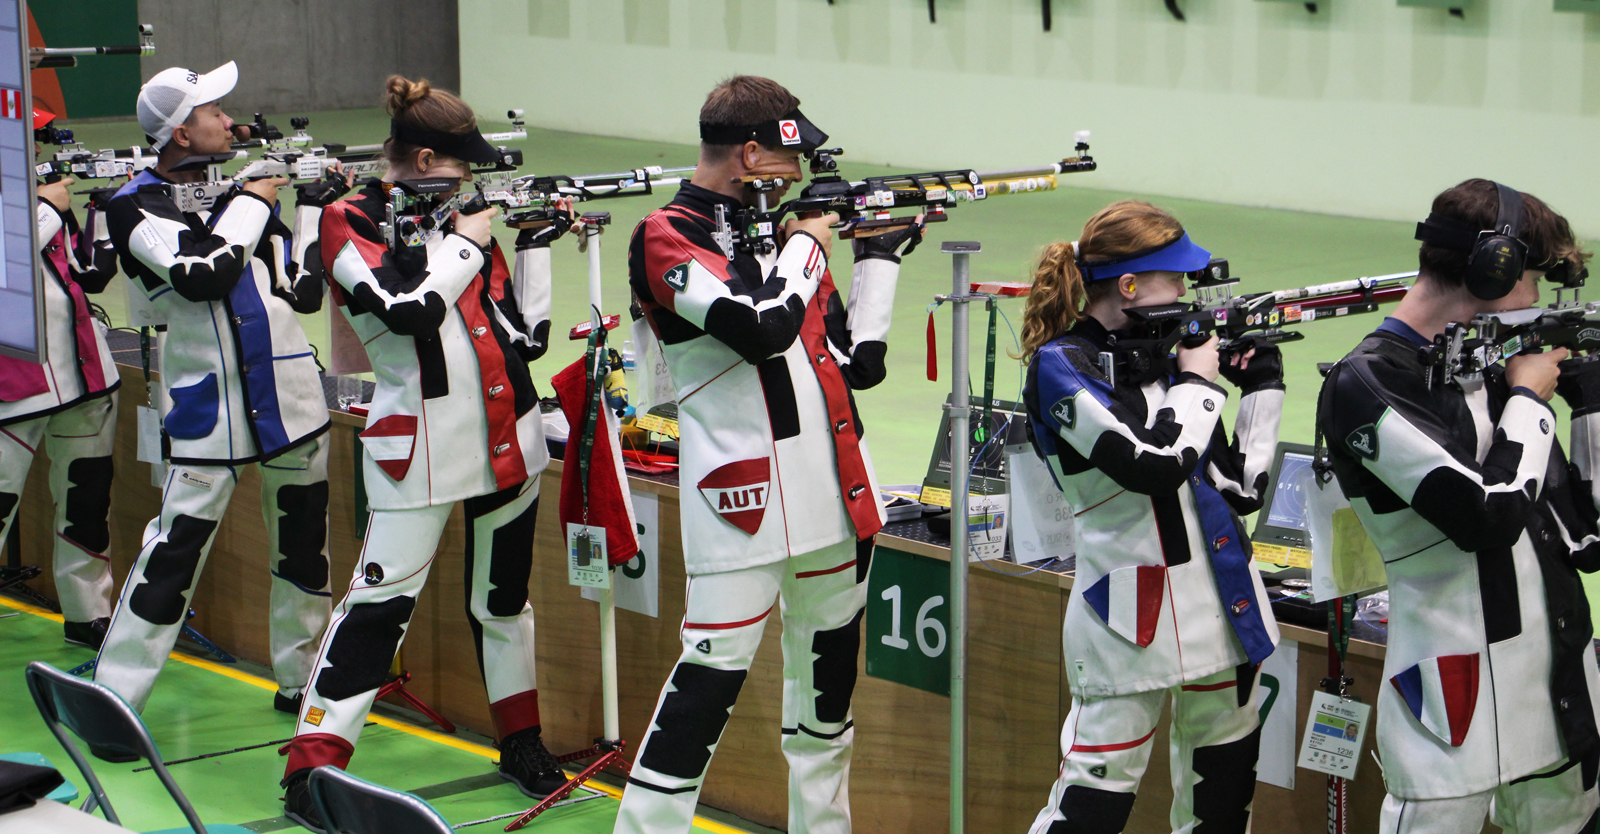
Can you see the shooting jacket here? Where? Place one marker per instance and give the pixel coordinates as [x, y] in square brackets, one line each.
[1166, 592]
[239, 379]
[1482, 524]
[455, 413]
[763, 355]
[78, 364]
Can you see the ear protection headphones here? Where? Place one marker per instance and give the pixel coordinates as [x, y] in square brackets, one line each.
[1495, 257]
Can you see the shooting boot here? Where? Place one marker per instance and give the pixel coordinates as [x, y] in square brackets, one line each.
[526, 763]
[297, 803]
[89, 635]
[283, 703]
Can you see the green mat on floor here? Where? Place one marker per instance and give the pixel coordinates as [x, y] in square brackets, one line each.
[195, 711]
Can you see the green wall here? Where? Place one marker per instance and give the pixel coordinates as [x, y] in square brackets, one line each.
[1364, 108]
[100, 85]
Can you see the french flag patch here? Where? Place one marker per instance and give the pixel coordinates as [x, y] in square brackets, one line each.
[1442, 692]
[1129, 601]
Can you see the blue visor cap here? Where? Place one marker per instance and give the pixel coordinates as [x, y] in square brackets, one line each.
[1181, 255]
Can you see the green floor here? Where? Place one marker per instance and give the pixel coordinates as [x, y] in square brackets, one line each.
[195, 711]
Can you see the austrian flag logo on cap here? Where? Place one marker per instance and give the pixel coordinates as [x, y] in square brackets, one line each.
[789, 131]
[739, 492]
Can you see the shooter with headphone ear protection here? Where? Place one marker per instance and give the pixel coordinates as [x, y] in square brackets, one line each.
[1473, 475]
[1496, 257]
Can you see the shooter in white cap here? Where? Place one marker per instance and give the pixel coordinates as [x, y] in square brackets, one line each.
[239, 385]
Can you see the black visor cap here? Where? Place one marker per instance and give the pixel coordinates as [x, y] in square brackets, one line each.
[793, 130]
[467, 147]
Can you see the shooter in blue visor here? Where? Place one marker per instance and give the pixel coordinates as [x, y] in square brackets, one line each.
[1166, 601]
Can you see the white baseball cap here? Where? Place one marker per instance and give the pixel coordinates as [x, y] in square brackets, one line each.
[167, 99]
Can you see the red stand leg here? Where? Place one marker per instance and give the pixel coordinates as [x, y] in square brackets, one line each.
[398, 687]
[610, 753]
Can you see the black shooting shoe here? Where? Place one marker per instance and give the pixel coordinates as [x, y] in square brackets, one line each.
[526, 763]
[283, 703]
[89, 635]
[297, 803]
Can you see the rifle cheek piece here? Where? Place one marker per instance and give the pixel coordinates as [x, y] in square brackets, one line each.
[1180, 255]
[791, 130]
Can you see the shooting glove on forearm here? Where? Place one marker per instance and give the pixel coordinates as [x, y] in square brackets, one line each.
[887, 246]
[1579, 384]
[322, 193]
[1265, 371]
[545, 235]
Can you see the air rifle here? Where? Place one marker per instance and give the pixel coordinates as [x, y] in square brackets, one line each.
[1462, 353]
[864, 206]
[416, 211]
[40, 57]
[1241, 322]
[530, 201]
[78, 162]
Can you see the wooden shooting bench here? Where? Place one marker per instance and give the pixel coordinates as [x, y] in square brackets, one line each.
[1018, 687]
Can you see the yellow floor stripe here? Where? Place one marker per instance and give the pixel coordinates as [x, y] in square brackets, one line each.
[382, 721]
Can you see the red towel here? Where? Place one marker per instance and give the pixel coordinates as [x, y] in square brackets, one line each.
[610, 505]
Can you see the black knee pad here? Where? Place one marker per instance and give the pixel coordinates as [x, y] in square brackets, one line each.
[511, 563]
[8, 502]
[303, 535]
[170, 571]
[691, 720]
[89, 503]
[1227, 785]
[863, 559]
[1092, 811]
[364, 647]
[833, 673]
[510, 553]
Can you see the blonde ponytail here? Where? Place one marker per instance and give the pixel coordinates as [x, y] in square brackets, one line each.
[1059, 295]
[1056, 301]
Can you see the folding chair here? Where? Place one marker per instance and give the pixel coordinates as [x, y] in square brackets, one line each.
[103, 720]
[355, 806]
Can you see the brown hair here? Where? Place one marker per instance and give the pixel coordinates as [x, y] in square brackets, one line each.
[1476, 202]
[1059, 294]
[743, 100]
[417, 104]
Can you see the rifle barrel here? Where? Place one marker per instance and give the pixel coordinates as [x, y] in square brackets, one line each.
[1013, 173]
[1358, 286]
[54, 51]
[663, 173]
[1381, 295]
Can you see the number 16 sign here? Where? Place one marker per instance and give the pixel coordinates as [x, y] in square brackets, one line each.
[908, 620]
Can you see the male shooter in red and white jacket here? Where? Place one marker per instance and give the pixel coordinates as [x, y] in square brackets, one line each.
[779, 500]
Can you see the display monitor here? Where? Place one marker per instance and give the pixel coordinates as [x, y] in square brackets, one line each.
[985, 451]
[21, 315]
[1282, 519]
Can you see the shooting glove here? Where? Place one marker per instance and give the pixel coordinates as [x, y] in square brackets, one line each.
[545, 235]
[322, 193]
[887, 245]
[1265, 371]
[1579, 384]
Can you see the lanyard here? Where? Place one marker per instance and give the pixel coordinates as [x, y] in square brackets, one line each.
[594, 361]
[982, 433]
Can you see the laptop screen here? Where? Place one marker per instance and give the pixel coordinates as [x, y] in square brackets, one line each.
[1288, 505]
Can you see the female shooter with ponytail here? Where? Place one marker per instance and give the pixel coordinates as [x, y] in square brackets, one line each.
[1165, 599]
[450, 332]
